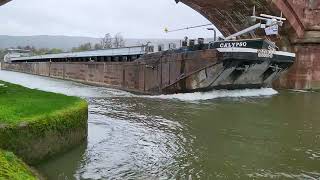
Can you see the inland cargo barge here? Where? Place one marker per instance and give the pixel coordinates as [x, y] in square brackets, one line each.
[221, 64]
[201, 67]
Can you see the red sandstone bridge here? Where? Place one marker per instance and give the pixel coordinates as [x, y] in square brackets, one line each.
[300, 35]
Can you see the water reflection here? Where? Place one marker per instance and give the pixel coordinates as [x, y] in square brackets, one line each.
[64, 166]
[273, 136]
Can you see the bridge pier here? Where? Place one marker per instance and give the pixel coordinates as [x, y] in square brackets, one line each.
[304, 36]
[305, 73]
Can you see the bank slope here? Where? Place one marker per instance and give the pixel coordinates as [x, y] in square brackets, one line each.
[13, 168]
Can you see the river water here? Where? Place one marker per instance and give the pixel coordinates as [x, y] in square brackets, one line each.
[248, 134]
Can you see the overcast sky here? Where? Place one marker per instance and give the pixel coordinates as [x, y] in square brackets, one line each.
[133, 18]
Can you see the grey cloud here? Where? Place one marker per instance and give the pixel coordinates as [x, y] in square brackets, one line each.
[134, 19]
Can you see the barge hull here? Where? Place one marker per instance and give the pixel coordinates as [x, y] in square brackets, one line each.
[145, 76]
[168, 72]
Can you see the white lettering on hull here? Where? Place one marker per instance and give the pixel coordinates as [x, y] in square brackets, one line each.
[233, 45]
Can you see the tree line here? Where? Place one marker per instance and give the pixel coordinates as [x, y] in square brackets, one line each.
[33, 50]
[105, 43]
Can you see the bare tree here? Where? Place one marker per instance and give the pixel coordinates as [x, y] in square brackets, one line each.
[107, 41]
[118, 41]
[98, 46]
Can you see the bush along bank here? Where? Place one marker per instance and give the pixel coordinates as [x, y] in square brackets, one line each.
[13, 168]
[37, 125]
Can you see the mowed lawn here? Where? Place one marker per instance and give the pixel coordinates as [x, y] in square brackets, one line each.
[19, 104]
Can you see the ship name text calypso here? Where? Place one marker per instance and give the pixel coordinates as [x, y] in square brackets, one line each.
[233, 44]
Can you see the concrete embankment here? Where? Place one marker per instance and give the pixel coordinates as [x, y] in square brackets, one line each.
[37, 125]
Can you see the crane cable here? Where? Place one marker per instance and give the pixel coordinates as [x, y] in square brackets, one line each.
[192, 27]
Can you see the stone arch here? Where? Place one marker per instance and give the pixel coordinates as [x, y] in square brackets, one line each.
[231, 15]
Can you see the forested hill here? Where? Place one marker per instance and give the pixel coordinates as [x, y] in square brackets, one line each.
[62, 42]
[65, 42]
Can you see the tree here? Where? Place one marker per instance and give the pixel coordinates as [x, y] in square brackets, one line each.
[41, 51]
[55, 51]
[98, 46]
[107, 41]
[83, 47]
[2, 54]
[118, 41]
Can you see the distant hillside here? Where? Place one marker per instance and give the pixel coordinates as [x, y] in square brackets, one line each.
[66, 42]
[63, 42]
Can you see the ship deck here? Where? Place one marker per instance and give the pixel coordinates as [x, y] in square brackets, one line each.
[126, 53]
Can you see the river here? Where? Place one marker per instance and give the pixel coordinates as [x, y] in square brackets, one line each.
[244, 134]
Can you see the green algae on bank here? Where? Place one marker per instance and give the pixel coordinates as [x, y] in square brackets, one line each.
[13, 168]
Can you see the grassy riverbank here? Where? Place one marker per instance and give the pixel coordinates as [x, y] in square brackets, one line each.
[19, 104]
[36, 125]
[13, 168]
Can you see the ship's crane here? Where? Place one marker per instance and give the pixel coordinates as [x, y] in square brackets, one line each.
[271, 24]
[267, 22]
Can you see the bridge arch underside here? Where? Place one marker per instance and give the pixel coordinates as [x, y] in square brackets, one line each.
[2, 2]
[300, 34]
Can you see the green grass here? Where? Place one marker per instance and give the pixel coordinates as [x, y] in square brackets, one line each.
[33, 121]
[31, 124]
[13, 168]
[19, 104]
